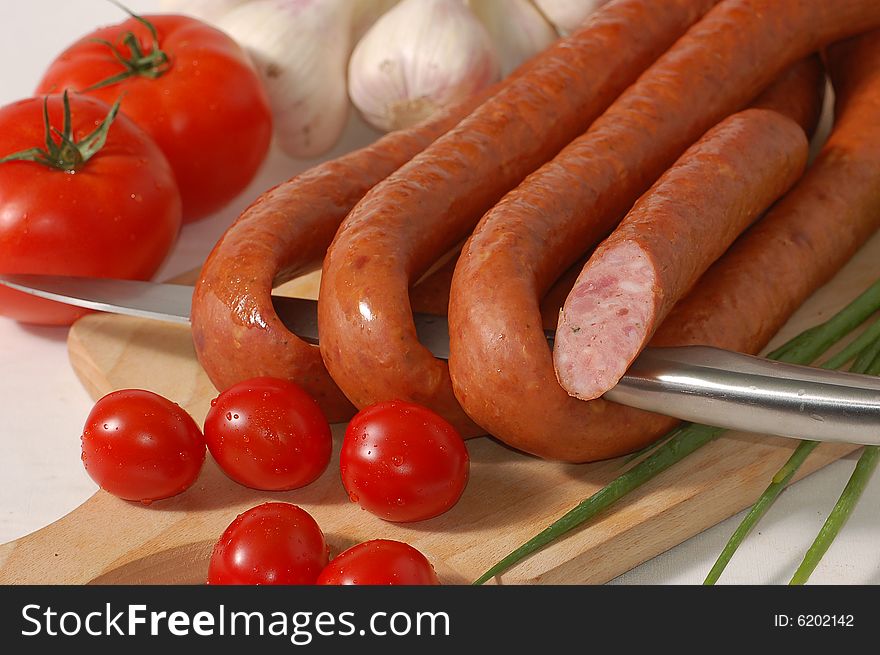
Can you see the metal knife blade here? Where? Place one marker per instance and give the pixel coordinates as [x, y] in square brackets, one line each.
[173, 303]
[694, 383]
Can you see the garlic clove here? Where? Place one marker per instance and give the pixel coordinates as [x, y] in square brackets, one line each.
[300, 48]
[419, 56]
[567, 15]
[517, 28]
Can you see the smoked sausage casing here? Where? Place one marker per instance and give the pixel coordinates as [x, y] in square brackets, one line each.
[285, 233]
[809, 235]
[427, 207]
[682, 224]
[501, 366]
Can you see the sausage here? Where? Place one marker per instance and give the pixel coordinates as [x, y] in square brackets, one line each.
[745, 298]
[282, 235]
[500, 364]
[688, 218]
[793, 94]
[401, 227]
[798, 93]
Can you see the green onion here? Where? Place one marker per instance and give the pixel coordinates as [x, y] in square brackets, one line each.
[682, 443]
[780, 481]
[837, 518]
[807, 346]
[865, 349]
[688, 438]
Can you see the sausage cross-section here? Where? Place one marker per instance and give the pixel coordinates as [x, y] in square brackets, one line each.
[688, 218]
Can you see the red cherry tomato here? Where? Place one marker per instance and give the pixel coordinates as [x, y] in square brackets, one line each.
[203, 104]
[403, 462]
[268, 434]
[117, 214]
[140, 446]
[379, 562]
[272, 543]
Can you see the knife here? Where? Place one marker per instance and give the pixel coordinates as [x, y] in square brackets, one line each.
[693, 383]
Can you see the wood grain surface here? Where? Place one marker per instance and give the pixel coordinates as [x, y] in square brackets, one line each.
[509, 498]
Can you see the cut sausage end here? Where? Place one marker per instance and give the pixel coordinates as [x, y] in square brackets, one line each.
[606, 320]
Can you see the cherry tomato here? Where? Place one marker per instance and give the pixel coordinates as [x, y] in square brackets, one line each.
[268, 434]
[379, 562]
[140, 446]
[117, 214]
[403, 462]
[272, 543]
[194, 92]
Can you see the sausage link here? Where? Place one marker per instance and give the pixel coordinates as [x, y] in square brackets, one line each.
[745, 298]
[502, 369]
[798, 93]
[285, 233]
[686, 221]
[368, 339]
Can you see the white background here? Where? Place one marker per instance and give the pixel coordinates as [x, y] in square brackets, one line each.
[43, 406]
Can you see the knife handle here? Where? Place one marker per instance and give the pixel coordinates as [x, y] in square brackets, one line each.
[740, 392]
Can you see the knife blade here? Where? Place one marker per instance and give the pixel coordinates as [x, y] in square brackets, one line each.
[693, 383]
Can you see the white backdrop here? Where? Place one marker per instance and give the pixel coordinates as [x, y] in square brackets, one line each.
[43, 406]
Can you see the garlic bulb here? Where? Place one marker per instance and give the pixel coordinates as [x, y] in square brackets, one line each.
[518, 29]
[207, 10]
[300, 48]
[567, 15]
[419, 56]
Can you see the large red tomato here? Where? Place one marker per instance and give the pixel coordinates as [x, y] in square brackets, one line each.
[191, 88]
[117, 214]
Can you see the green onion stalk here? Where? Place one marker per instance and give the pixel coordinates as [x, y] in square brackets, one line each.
[689, 437]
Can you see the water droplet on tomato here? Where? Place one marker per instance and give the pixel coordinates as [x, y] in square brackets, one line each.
[353, 496]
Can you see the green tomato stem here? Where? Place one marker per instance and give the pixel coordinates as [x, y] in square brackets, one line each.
[67, 154]
[151, 64]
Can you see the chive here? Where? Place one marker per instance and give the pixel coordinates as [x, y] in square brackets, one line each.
[807, 346]
[837, 518]
[853, 349]
[865, 350]
[780, 481]
[688, 438]
[682, 443]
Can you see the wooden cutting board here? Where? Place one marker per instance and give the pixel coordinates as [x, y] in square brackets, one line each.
[509, 498]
